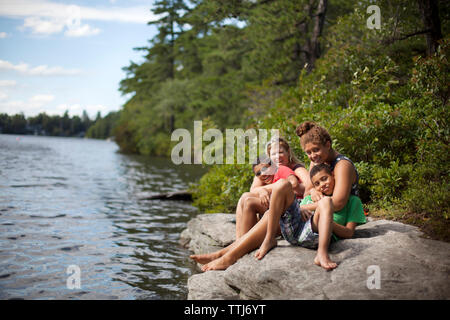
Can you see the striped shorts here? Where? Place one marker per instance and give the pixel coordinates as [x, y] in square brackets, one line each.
[296, 231]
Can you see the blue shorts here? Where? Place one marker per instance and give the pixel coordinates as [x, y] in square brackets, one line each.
[296, 231]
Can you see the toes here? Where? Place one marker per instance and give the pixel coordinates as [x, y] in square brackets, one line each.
[205, 268]
[325, 263]
[260, 254]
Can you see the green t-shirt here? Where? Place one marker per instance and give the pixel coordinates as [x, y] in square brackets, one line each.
[352, 212]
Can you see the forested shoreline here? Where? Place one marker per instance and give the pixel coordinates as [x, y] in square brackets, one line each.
[59, 126]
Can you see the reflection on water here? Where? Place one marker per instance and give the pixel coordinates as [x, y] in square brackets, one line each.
[70, 201]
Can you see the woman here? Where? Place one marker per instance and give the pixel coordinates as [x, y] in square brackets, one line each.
[257, 200]
[317, 144]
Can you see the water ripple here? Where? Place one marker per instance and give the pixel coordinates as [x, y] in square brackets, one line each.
[74, 202]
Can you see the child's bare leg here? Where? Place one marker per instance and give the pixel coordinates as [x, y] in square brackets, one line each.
[239, 211]
[248, 242]
[248, 207]
[252, 206]
[282, 197]
[322, 223]
[256, 235]
[208, 257]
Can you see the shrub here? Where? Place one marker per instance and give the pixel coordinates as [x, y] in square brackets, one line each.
[221, 187]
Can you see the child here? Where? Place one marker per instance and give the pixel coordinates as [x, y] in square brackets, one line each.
[269, 174]
[323, 180]
[317, 230]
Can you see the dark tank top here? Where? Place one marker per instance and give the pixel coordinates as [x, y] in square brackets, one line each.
[355, 188]
[298, 165]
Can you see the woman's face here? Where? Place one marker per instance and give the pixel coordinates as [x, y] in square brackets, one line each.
[279, 155]
[316, 152]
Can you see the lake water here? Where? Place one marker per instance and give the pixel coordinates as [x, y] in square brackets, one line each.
[71, 215]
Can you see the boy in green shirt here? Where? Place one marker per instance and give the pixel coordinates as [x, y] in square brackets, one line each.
[353, 210]
[298, 231]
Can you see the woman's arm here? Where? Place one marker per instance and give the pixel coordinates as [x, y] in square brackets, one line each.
[305, 181]
[256, 184]
[346, 231]
[344, 175]
[309, 206]
[315, 195]
[296, 185]
[303, 174]
[293, 180]
[261, 189]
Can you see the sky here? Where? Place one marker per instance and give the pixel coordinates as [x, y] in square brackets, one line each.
[58, 55]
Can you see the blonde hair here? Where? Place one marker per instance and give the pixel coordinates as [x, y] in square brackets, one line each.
[309, 131]
[284, 144]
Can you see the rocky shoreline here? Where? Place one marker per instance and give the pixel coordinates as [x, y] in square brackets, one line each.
[384, 260]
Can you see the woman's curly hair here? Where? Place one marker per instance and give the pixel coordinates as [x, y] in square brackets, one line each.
[309, 131]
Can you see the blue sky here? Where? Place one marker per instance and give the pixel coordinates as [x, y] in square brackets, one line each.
[68, 55]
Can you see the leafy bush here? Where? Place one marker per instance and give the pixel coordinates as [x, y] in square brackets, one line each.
[220, 189]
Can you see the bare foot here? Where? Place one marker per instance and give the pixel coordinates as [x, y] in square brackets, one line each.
[205, 258]
[265, 247]
[324, 261]
[221, 263]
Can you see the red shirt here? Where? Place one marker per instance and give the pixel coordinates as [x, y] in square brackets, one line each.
[282, 173]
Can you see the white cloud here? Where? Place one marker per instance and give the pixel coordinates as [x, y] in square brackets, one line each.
[3, 35]
[21, 67]
[3, 96]
[49, 9]
[82, 31]
[46, 17]
[43, 26]
[42, 98]
[8, 83]
[47, 26]
[32, 106]
[42, 70]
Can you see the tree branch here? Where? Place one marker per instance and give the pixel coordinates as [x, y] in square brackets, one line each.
[406, 36]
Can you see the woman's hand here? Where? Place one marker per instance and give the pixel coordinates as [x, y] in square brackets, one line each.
[316, 195]
[306, 214]
[264, 196]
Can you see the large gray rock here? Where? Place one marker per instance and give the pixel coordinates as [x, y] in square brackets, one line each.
[209, 232]
[409, 266]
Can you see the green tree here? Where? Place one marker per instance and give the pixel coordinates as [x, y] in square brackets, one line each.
[18, 123]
